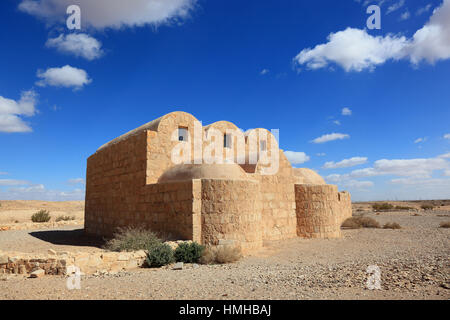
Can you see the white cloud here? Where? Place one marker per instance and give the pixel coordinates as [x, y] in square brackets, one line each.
[12, 182]
[297, 157]
[395, 6]
[101, 14]
[445, 156]
[346, 112]
[447, 136]
[11, 110]
[321, 154]
[355, 184]
[330, 137]
[356, 50]
[423, 9]
[346, 163]
[419, 140]
[76, 181]
[66, 76]
[405, 16]
[78, 44]
[39, 192]
[264, 71]
[447, 173]
[337, 122]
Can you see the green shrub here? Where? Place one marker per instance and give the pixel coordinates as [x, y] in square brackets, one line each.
[189, 252]
[132, 239]
[159, 255]
[65, 218]
[392, 225]
[382, 206]
[427, 207]
[360, 222]
[41, 216]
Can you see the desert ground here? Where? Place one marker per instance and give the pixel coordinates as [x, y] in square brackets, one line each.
[413, 260]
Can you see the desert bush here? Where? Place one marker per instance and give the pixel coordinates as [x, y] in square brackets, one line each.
[132, 239]
[41, 216]
[403, 208]
[159, 254]
[220, 254]
[65, 218]
[392, 225]
[427, 207]
[360, 222]
[444, 224]
[382, 206]
[351, 223]
[228, 254]
[188, 252]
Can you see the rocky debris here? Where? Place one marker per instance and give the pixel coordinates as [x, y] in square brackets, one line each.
[39, 273]
[178, 266]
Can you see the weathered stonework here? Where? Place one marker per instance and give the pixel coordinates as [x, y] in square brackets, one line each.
[132, 181]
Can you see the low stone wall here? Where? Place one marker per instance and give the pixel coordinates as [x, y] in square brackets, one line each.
[58, 263]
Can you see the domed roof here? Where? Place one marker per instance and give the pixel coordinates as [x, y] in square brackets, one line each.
[183, 172]
[307, 176]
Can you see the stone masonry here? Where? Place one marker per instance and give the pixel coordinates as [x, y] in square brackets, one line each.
[132, 181]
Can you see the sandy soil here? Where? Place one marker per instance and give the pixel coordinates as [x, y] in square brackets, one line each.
[18, 211]
[414, 264]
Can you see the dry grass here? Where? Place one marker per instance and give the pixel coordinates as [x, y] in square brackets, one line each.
[445, 224]
[221, 255]
[392, 225]
[360, 222]
[65, 218]
[132, 239]
[41, 216]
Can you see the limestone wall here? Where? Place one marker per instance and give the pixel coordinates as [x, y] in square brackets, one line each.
[320, 211]
[114, 180]
[230, 210]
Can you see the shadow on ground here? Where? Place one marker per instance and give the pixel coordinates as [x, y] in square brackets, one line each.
[75, 237]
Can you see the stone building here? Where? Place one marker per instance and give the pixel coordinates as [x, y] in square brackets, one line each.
[133, 180]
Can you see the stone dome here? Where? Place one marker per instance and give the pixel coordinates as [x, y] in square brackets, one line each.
[183, 172]
[307, 176]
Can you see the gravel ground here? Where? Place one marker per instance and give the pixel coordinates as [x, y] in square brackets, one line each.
[414, 264]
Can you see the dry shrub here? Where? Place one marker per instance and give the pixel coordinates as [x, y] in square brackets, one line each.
[445, 224]
[427, 207]
[360, 222]
[382, 206]
[132, 239]
[65, 218]
[41, 216]
[221, 254]
[392, 225]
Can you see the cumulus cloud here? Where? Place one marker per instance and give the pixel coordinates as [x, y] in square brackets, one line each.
[355, 184]
[11, 112]
[346, 112]
[78, 44]
[330, 137]
[66, 76]
[356, 50]
[447, 136]
[297, 157]
[346, 163]
[413, 168]
[101, 14]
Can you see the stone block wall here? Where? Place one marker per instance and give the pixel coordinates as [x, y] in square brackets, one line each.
[231, 210]
[320, 210]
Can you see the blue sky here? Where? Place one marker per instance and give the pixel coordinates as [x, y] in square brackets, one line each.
[368, 109]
